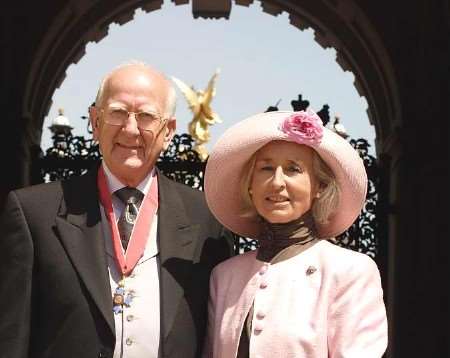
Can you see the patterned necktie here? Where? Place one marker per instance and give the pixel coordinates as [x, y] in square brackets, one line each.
[132, 198]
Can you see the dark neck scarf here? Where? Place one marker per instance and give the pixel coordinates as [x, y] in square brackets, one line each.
[276, 237]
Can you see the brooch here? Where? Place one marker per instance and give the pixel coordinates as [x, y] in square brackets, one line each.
[310, 270]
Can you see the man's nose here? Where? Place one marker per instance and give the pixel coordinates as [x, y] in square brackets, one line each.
[131, 125]
[278, 178]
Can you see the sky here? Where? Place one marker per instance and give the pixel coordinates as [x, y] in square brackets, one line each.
[262, 59]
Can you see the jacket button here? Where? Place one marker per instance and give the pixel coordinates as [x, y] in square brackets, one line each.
[103, 354]
[258, 328]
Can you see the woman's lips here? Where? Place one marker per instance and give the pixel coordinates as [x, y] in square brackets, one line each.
[277, 199]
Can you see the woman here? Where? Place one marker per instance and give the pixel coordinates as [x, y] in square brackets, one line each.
[285, 180]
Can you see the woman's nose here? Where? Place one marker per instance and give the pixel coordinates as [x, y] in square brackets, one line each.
[278, 178]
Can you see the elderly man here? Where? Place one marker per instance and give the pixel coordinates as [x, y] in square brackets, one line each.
[114, 263]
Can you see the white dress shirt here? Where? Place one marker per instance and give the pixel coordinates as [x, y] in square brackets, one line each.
[138, 326]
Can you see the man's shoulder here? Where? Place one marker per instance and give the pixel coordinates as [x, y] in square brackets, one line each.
[183, 189]
[36, 202]
[39, 190]
[47, 193]
[189, 200]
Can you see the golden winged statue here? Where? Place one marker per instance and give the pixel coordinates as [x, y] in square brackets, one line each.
[200, 105]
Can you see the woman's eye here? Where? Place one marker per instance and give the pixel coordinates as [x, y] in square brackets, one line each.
[295, 169]
[266, 167]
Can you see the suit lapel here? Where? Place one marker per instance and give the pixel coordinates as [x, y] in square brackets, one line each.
[80, 231]
[177, 243]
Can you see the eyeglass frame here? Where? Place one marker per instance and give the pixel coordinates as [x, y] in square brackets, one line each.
[160, 119]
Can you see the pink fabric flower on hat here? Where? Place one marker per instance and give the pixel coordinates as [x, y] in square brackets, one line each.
[303, 127]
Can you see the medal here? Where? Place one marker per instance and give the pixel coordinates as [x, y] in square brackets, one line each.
[121, 298]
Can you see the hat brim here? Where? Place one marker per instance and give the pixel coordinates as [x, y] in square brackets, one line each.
[237, 145]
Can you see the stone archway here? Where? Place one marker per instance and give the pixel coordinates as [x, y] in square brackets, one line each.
[338, 25]
[399, 69]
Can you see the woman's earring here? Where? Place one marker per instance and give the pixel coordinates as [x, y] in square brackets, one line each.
[250, 191]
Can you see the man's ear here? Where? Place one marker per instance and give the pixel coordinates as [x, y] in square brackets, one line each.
[93, 119]
[169, 131]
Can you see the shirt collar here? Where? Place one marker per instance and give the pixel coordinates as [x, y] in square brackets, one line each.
[115, 184]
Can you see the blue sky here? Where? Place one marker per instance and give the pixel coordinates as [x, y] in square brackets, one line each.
[262, 59]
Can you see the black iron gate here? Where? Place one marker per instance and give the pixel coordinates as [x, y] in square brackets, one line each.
[74, 155]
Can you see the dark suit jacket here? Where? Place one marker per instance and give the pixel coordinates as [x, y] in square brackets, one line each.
[55, 297]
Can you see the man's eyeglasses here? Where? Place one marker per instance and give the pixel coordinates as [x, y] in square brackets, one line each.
[146, 120]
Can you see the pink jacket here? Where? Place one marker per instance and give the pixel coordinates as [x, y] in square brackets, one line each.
[326, 302]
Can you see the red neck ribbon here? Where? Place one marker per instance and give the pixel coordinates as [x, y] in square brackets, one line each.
[141, 230]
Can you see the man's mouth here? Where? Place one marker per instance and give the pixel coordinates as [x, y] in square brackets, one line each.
[128, 146]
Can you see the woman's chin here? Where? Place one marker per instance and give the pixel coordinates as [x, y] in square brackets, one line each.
[278, 218]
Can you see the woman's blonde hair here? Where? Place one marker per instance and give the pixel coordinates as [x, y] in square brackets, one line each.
[322, 207]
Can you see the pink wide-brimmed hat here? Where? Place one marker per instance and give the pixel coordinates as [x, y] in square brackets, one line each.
[237, 145]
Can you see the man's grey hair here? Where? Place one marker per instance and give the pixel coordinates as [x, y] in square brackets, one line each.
[171, 100]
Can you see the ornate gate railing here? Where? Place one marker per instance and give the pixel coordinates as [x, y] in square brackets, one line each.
[74, 155]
